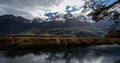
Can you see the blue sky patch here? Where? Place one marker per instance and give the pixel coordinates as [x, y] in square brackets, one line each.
[50, 14]
[109, 2]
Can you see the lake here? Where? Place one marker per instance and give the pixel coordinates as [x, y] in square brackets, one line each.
[92, 54]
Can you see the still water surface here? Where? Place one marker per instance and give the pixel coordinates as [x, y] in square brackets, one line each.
[93, 54]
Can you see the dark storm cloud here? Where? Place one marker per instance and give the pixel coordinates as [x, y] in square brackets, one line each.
[29, 3]
[15, 11]
[24, 7]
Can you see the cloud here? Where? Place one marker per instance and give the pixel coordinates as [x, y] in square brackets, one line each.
[30, 3]
[62, 6]
[73, 8]
[35, 8]
[15, 11]
[26, 8]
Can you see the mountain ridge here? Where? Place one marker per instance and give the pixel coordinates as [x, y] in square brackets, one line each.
[71, 26]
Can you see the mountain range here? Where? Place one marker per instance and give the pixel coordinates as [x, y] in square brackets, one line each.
[59, 25]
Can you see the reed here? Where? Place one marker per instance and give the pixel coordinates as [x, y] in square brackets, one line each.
[52, 42]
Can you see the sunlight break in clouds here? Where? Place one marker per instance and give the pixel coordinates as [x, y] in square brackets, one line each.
[61, 8]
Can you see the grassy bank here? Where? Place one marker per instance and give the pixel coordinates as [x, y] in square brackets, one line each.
[36, 42]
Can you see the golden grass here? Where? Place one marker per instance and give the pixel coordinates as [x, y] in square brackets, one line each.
[40, 42]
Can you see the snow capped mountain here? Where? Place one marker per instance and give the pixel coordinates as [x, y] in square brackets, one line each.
[69, 16]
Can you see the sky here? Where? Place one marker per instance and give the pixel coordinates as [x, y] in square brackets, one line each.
[40, 8]
[35, 8]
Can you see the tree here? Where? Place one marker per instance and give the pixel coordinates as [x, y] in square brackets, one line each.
[113, 31]
[102, 9]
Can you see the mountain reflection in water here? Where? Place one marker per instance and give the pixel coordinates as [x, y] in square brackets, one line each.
[93, 54]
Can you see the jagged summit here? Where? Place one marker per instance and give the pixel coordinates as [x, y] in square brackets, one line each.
[67, 17]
